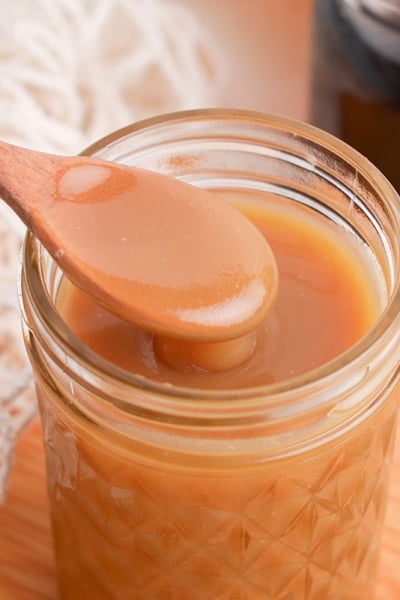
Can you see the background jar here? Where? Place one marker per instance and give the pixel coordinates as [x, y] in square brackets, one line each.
[159, 491]
[356, 77]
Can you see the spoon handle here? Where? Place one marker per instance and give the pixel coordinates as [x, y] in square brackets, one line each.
[27, 180]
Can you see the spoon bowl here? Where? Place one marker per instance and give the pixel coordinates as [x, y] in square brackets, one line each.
[172, 258]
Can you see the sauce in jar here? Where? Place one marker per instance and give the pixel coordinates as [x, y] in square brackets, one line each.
[172, 480]
[168, 529]
[325, 297]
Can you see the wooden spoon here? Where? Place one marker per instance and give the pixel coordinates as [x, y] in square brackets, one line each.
[172, 258]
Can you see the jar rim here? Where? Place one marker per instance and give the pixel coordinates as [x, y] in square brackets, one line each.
[388, 323]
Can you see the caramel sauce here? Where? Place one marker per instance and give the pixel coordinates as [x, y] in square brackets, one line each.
[326, 302]
[163, 254]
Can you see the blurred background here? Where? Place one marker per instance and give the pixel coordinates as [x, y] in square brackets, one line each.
[266, 45]
[73, 70]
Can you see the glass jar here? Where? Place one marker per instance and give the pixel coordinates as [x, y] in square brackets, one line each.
[271, 492]
[356, 77]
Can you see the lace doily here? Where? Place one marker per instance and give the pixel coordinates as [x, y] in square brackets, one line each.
[72, 71]
[17, 401]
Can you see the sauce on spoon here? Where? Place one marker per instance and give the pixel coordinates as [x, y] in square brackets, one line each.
[165, 255]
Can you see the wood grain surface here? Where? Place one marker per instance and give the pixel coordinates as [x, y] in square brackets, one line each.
[26, 557]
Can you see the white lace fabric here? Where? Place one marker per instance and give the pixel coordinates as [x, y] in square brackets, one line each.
[71, 71]
[17, 401]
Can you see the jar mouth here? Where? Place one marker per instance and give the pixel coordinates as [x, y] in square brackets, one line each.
[358, 358]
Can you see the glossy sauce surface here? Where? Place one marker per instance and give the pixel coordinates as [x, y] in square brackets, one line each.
[160, 253]
[326, 302]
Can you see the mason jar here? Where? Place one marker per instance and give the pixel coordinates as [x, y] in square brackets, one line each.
[356, 77]
[270, 491]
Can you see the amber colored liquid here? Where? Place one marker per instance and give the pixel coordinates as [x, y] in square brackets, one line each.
[326, 302]
[133, 521]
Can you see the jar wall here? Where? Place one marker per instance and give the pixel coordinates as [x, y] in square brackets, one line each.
[126, 521]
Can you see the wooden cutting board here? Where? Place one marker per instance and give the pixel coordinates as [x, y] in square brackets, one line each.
[26, 559]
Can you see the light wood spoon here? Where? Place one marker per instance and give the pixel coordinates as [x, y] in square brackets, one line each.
[174, 259]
